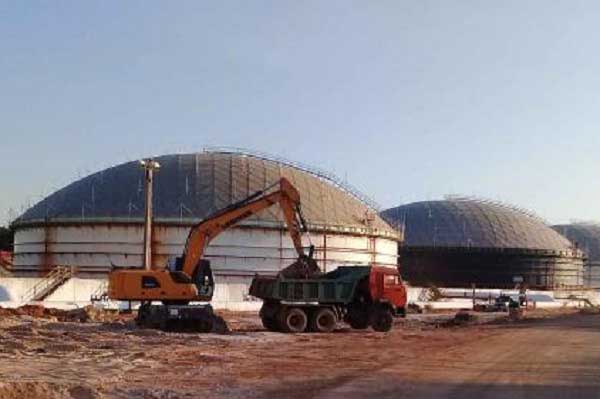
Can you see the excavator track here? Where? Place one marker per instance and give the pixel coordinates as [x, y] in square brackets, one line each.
[180, 318]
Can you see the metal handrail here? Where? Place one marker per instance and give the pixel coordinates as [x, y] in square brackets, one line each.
[58, 275]
[100, 293]
[325, 175]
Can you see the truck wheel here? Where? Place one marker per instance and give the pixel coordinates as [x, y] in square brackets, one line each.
[269, 310]
[323, 320]
[382, 320]
[293, 320]
[358, 319]
[269, 323]
[268, 315]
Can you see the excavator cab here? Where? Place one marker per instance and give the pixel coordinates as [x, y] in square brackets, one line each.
[202, 277]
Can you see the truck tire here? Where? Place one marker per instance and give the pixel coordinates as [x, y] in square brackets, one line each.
[358, 318]
[293, 320]
[268, 315]
[359, 323]
[322, 320]
[382, 319]
[269, 323]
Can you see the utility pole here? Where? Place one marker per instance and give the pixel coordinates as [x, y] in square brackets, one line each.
[149, 165]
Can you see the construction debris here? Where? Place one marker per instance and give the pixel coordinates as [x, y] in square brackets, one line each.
[80, 315]
[461, 318]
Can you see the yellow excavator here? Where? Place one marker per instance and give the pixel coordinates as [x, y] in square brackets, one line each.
[190, 279]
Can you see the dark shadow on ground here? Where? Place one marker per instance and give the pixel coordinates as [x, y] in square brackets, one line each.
[580, 321]
[326, 389]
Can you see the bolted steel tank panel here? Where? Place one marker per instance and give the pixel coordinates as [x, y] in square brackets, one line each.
[240, 249]
[459, 242]
[472, 223]
[586, 237]
[189, 187]
[236, 255]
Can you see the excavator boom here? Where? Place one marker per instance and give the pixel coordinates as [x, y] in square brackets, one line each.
[200, 235]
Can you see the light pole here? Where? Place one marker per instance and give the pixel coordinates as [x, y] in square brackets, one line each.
[149, 165]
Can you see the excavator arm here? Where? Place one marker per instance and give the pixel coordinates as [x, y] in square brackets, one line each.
[201, 235]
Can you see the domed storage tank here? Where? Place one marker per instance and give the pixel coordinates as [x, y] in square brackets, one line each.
[586, 236]
[460, 241]
[97, 221]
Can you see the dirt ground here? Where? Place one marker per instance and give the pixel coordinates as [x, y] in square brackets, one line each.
[547, 355]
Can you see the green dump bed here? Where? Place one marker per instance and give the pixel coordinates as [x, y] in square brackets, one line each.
[337, 286]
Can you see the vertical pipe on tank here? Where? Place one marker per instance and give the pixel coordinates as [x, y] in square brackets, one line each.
[324, 269]
[149, 166]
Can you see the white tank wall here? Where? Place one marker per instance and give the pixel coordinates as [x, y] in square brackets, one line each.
[94, 248]
[230, 293]
[75, 292]
[236, 255]
[12, 289]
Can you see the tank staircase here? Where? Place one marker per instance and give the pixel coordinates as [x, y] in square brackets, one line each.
[57, 277]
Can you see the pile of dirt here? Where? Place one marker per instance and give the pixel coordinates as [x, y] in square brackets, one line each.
[43, 390]
[413, 308]
[461, 318]
[238, 321]
[590, 310]
[80, 315]
[92, 314]
[36, 311]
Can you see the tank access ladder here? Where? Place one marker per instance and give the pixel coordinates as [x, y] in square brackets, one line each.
[57, 277]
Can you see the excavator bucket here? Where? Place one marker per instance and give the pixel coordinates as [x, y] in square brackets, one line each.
[304, 267]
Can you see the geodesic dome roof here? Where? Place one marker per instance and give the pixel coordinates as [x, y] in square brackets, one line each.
[189, 187]
[473, 224]
[585, 235]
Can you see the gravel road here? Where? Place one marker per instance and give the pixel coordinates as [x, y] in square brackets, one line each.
[556, 358]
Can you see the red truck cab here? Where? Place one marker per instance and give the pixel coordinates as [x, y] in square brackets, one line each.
[379, 298]
[385, 286]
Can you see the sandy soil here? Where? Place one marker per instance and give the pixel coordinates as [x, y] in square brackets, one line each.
[547, 355]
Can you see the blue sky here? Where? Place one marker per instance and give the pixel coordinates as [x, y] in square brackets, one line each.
[407, 100]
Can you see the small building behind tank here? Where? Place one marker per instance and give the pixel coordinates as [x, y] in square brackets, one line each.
[586, 237]
[458, 242]
[96, 224]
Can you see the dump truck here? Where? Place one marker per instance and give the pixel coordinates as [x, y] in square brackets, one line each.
[361, 296]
